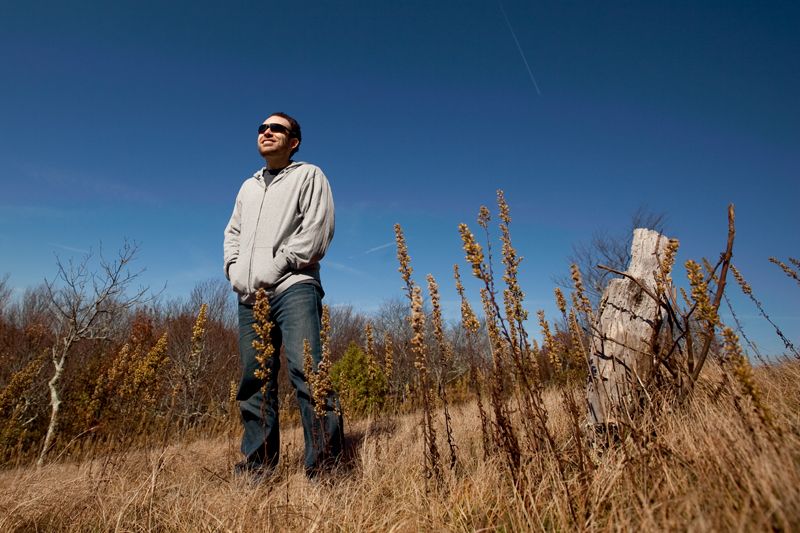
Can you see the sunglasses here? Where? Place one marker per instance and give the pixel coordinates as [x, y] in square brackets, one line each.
[275, 128]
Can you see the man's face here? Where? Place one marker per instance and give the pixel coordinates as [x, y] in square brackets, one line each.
[271, 143]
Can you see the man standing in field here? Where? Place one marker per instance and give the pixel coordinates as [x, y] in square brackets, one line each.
[281, 227]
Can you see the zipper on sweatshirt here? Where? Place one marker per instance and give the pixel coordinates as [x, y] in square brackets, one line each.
[282, 173]
[255, 240]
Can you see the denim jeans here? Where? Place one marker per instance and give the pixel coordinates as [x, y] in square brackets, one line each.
[296, 314]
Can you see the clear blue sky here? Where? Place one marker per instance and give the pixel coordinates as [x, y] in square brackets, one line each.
[138, 120]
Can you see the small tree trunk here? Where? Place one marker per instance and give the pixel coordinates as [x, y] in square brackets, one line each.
[55, 403]
[624, 333]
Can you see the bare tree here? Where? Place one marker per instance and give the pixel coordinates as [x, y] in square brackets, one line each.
[84, 305]
[5, 292]
[611, 250]
[347, 325]
[221, 302]
[392, 316]
[204, 350]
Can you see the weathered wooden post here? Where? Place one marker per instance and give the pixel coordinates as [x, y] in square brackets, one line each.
[624, 333]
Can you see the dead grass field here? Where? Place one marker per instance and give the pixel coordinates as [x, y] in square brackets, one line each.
[709, 467]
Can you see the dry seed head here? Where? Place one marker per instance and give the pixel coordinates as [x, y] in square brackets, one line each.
[369, 347]
[493, 329]
[325, 331]
[199, 330]
[468, 320]
[547, 337]
[483, 217]
[148, 368]
[743, 373]
[436, 313]
[323, 390]
[558, 346]
[685, 298]
[474, 251]
[534, 355]
[576, 276]
[579, 299]
[319, 382]
[710, 269]
[669, 257]
[663, 278]
[323, 387]
[418, 327]
[263, 327]
[369, 351]
[510, 308]
[701, 294]
[789, 272]
[402, 256]
[325, 335]
[577, 335]
[576, 301]
[120, 365]
[232, 395]
[308, 363]
[388, 354]
[574, 329]
[560, 301]
[513, 295]
[445, 350]
[324, 366]
[505, 214]
[746, 288]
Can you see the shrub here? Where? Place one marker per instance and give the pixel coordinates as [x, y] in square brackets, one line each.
[361, 386]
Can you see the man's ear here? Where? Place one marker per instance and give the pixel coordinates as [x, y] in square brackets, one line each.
[295, 142]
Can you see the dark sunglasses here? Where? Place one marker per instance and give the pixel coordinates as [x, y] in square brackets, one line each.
[276, 128]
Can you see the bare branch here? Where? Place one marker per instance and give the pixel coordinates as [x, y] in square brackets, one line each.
[81, 312]
[726, 261]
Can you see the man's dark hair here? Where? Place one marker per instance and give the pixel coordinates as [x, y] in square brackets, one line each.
[294, 127]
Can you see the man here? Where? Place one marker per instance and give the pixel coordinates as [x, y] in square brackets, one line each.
[281, 227]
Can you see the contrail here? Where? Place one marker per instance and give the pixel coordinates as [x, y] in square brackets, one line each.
[519, 47]
[67, 247]
[344, 268]
[378, 248]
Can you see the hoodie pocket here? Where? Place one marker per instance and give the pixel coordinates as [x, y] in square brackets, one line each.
[265, 273]
[238, 277]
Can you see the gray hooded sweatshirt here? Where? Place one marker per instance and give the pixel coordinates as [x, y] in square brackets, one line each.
[280, 228]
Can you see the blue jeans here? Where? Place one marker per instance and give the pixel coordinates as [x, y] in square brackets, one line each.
[296, 314]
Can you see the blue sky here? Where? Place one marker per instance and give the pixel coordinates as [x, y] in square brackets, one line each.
[138, 120]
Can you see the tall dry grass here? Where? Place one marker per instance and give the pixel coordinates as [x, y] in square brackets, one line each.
[723, 455]
[711, 466]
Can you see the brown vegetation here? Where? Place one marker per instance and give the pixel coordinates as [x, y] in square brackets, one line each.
[709, 467]
[476, 426]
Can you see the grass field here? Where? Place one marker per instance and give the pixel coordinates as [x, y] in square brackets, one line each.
[473, 428]
[712, 466]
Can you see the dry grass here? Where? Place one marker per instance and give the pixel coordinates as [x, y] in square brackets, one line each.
[709, 467]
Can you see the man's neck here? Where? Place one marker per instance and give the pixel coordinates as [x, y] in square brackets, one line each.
[276, 162]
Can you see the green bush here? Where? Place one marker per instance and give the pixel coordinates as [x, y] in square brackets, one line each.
[360, 384]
